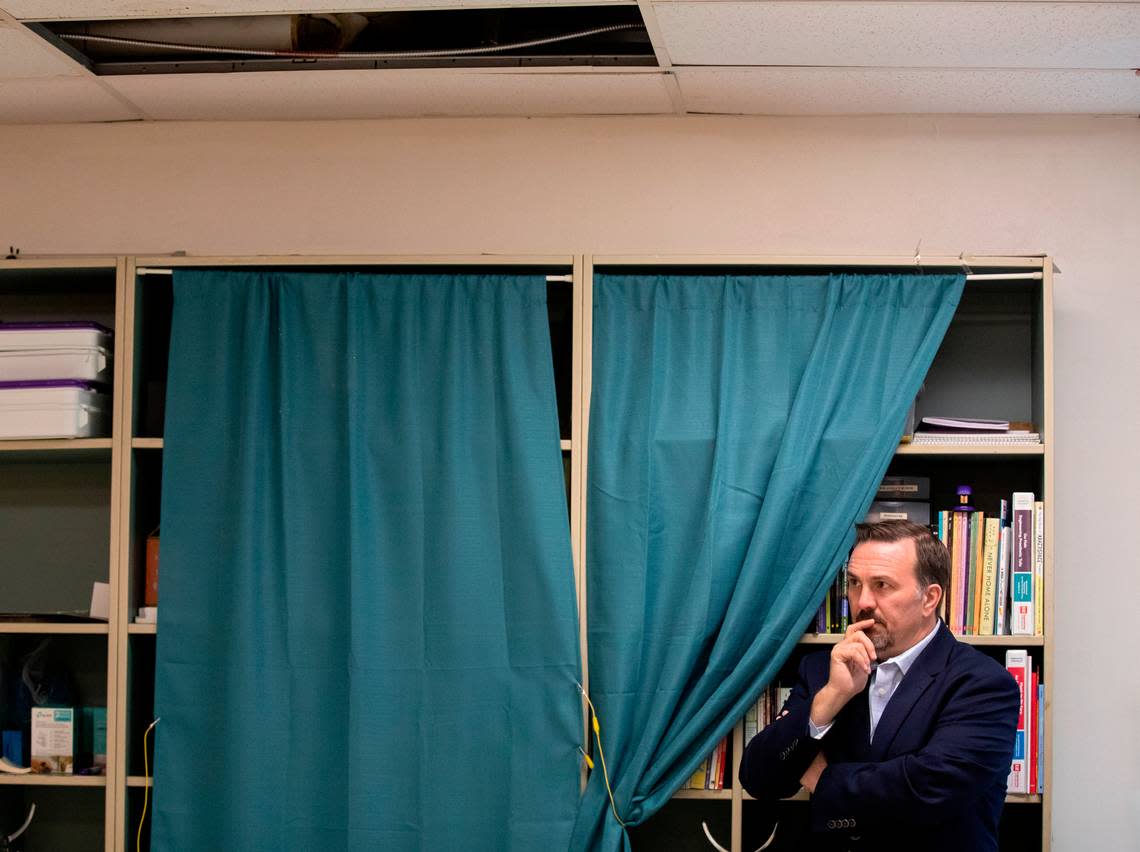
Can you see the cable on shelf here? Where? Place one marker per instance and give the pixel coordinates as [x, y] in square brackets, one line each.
[601, 754]
[146, 790]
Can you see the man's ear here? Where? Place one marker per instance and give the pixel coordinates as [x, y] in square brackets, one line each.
[931, 598]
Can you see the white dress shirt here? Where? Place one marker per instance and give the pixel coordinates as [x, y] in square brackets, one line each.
[885, 679]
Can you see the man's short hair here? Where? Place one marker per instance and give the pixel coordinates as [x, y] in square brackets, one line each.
[933, 559]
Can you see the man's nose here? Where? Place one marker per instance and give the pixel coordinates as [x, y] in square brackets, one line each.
[864, 600]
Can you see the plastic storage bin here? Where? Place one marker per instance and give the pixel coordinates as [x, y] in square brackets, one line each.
[55, 350]
[59, 408]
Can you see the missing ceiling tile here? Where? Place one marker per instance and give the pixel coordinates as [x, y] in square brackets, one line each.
[610, 35]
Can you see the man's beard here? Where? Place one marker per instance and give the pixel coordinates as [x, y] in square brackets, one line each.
[879, 635]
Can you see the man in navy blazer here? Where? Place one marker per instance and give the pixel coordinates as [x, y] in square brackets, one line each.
[902, 735]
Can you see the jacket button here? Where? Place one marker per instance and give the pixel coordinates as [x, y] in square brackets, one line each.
[831, 823]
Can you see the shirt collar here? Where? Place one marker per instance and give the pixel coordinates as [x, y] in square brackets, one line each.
[906, 659]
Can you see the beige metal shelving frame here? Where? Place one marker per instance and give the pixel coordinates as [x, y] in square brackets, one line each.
[119, 836]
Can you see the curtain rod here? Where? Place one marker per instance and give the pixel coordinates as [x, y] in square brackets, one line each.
[155, 270]
[984, 276]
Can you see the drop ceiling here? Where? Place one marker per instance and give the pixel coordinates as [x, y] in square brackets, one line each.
[773, 57]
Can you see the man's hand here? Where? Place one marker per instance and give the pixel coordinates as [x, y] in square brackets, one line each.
[851, 661]
[811, 777]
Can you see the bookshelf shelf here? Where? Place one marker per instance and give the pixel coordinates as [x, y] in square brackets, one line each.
[1000, 641]
[966, 450]
[53, 780]
[142, 629]
[50, 628]
[1011, 798]
[708, 795]
[146, 443]
[93, 446]
[140, 781]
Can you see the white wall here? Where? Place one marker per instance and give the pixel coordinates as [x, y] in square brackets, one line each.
[1068, 186]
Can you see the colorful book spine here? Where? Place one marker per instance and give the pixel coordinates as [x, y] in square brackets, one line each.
[961, 568]
[977, 548]
[944, 537]
[1041, 738]
[1032, 731]
[1039, 566]
[989, 577]
[1023, 615]
[1001, 614]
[1017, 663]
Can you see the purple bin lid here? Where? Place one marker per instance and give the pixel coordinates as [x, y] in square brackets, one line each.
[54, 326]
[29, 384]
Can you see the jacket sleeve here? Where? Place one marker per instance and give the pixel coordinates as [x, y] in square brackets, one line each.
[777, 757]
[969, 750]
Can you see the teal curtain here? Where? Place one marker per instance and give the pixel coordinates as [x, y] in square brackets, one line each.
[739, 427]
[368, 637]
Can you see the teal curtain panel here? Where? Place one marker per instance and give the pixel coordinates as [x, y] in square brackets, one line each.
[368, 637]
[739, 427]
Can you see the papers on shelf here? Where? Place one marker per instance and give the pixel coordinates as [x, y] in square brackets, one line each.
[11, 768]
[970, 424]
[976, 439]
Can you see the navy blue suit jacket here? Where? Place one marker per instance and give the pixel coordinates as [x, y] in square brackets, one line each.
[933, 778]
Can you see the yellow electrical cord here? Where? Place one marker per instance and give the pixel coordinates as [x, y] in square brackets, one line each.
[601, 754]
[146, 789]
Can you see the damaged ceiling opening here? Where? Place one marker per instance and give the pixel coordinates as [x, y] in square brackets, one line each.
[461, 38]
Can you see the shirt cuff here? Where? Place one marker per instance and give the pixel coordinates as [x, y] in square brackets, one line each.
[817, 732]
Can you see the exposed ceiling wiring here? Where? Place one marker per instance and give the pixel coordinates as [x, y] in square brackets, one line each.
[337, 54]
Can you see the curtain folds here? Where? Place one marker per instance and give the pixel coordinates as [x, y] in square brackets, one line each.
[739, 427]
[369, 635]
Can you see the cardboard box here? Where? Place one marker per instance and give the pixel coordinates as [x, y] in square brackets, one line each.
[53, 740]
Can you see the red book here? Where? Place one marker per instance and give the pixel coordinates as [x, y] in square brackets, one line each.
[1031, 724]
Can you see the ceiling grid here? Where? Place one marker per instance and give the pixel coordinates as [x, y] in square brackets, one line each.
[749, 57]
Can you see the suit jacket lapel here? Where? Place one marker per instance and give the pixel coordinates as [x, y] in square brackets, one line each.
[923, 671]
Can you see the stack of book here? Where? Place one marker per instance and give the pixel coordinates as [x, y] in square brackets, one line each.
[996, 568]
[834, 614]
[715, 771]
[1026, 769]
[973, 432]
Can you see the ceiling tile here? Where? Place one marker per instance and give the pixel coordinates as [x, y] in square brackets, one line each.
[902, 34]
[79, 10]
[24, 55]
[59, 100]
[852, 91]
[391, 93]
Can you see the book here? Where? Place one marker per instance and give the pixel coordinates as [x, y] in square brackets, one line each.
[1039, 567]
[975, 572]
[1017, 663]
[1023, 611]
[697, 779]
[989, 577]
[979, 540]
[1040, 737]
[967, 423]
[1002, 605]
[1032, 731]
[959, 526]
